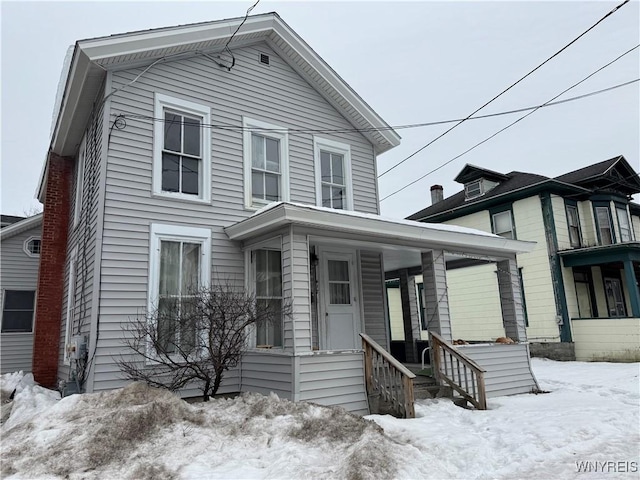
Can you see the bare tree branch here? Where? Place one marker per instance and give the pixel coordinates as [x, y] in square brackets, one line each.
[197, 338]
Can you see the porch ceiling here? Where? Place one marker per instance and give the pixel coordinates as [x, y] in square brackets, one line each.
[400, 240]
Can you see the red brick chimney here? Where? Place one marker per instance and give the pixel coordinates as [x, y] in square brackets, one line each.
[55, 226]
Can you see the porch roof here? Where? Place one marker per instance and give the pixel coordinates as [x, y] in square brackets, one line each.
[599, 255]
[370, 228]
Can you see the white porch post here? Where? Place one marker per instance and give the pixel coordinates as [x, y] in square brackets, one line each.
[511, 299]
[436, 298]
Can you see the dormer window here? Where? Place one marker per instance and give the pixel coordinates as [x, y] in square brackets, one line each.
[478, 187]
[473, 189]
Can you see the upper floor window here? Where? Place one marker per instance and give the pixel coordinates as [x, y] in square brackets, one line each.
[573, 221]
[473, 189]
[605, 229]
[502, 224]
[333, 174]
[624, 224]
[179, 268]
[32, 246]
[266, 163]
[17, 311]
[182, 149]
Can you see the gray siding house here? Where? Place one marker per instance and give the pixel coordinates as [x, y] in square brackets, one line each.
[226, 164]
[19, 259]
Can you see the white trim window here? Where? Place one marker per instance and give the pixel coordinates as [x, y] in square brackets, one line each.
[71, 304]
[179, 266]
[267, 275]
[266, 163]
[333, 174]
[181, 149]
[32, 246]
[77, 206]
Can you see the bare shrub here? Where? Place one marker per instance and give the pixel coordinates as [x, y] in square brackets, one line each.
[195, 338]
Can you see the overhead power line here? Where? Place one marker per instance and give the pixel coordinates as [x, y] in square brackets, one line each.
[511, 124]
[506, 89]
[394, 127]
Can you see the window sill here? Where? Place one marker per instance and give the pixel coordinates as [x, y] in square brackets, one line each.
[181, 197]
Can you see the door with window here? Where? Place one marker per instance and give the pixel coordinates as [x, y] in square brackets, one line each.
[615, 297]
[340, 308]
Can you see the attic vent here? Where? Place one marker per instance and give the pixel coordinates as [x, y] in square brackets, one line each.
[264, 59]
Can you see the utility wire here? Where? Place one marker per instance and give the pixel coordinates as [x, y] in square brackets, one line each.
[507, 89]
[226, 45]
[511, 124]
[376, 129]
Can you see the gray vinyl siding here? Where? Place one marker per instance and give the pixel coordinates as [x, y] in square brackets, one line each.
[18, 271]
[334, 380]
[266, 372]
[508, 370]
[275, 94]
[82, 236]
[301, 293]
[372, 280]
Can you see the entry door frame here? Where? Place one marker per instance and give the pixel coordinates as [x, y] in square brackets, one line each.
[339, 253]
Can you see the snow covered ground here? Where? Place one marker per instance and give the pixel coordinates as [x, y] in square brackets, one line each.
[588, 426]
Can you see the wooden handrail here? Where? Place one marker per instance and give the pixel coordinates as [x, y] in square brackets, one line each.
[387, 377]
[459, 371]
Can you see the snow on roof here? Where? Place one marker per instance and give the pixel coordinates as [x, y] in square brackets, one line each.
[371, 216]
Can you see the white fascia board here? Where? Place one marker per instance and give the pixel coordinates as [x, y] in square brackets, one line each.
[285, 214]
[331, 77]
[132, 43]
[22, 226]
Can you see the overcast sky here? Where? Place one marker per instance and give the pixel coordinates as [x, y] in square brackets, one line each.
[412, 62]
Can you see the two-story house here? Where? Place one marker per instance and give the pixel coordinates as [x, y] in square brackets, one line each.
[580, 282]
[19, 259]
[204, 153]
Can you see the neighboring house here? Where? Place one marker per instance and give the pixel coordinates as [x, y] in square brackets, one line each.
[19, 260]
[167, 149]
[580, 282]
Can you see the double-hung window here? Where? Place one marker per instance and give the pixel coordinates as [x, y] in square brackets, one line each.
[502, 224]
[180, 259]
[266, 163]
[17, 311]
[605, 229]
[624, 224]
[182, 149]
[573, 221]
[268, 292]
[333, 174]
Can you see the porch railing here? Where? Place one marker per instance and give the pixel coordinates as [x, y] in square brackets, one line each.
[451, 366]
[387, 377]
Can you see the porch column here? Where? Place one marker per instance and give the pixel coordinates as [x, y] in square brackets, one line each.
[511, 300]
[437, 317]
[632, 286]
[407, 292]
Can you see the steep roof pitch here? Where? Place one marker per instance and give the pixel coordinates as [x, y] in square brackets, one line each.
[91, 58]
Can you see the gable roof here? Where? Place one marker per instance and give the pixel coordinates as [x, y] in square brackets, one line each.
[93, 57]
[470, 173]
[20, 226]
[614, 172]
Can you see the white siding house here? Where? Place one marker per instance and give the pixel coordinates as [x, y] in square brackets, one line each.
[260, 166]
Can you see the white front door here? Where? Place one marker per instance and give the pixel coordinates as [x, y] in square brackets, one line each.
[340, 309]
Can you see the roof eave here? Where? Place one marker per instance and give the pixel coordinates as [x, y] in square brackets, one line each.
[285, 214]
[19, 227]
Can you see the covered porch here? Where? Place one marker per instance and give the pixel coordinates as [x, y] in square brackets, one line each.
[333, 273]
[605, 316]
